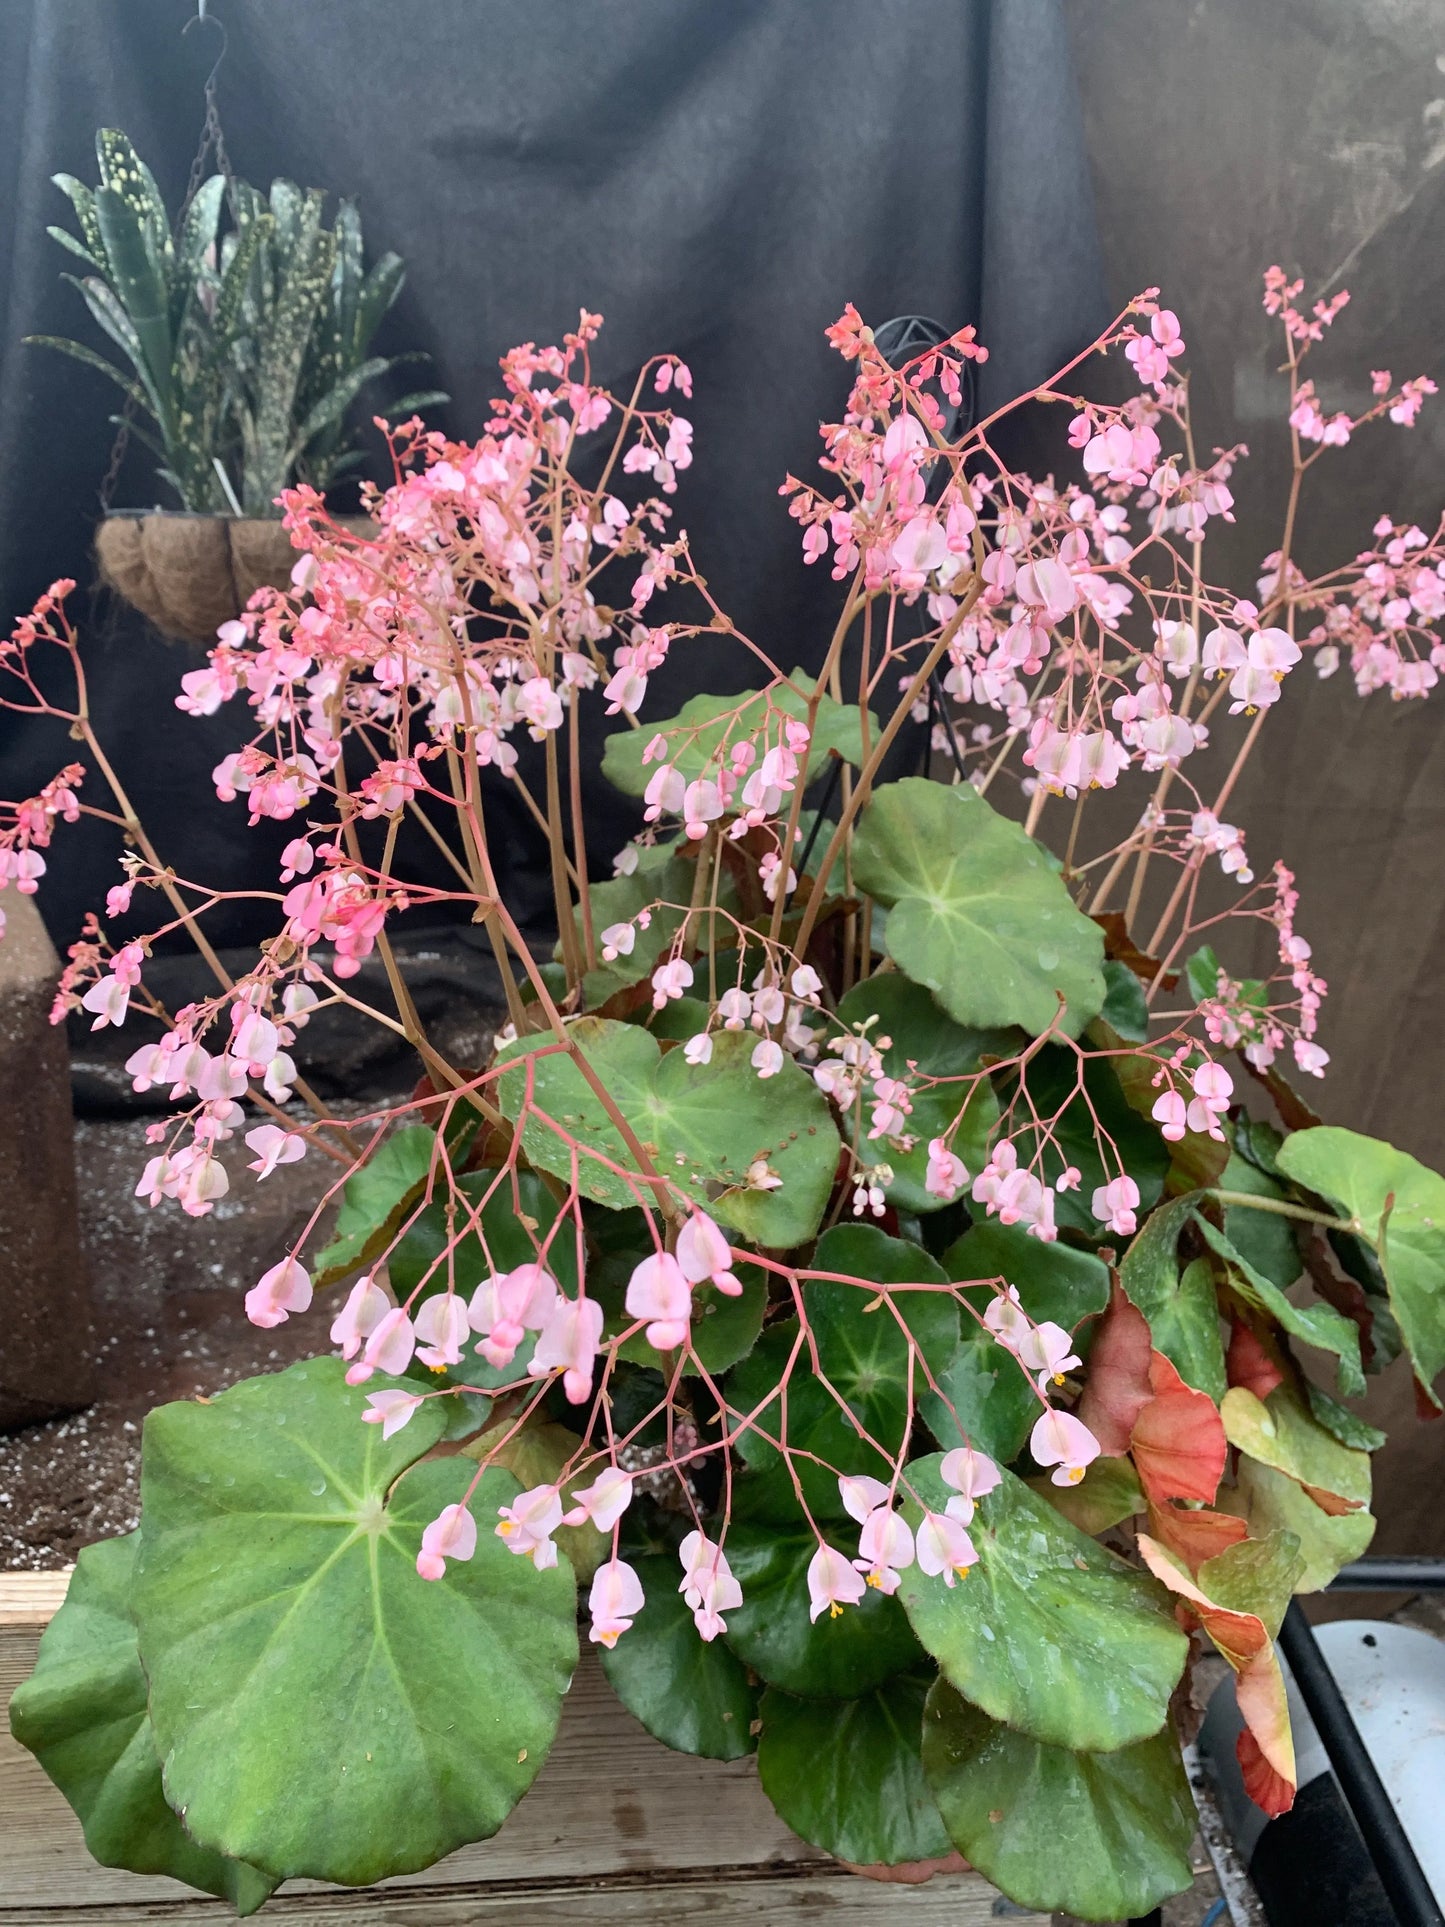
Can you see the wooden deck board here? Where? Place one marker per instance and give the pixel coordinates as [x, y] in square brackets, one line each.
[652, 1838]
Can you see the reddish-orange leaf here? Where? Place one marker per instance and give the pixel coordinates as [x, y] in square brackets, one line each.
[1247, 1363]
[1195, 1534]
[1178, 1444]
[1117, 1388]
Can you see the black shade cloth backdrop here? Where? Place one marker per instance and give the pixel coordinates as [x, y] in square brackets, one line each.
[716, 177]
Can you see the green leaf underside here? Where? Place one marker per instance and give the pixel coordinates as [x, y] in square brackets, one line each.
[1105, 1836]
[82, 1713]
[698, 730]
[827, 1658]
[705, 1123]
[847, 1774]
[319, 1708]
[1363, 1174]
[1319, 1325]
[1180, 1303]
[372, 1199]
[692, 1694]
[863, 1354]
[1272, 1501]
[922, 1034]
[1049, 1632]
[975, 911]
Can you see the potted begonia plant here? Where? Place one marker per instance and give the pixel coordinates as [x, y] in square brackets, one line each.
[247, 334]
[854, 1269]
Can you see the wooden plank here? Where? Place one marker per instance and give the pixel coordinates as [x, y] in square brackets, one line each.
[746, 1900]
[32, 1598]
[617, 1829]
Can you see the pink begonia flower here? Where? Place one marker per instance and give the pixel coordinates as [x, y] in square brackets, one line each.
[707, 1584]
[366, 1305]
[1005, 1318]
[658, 1290]
[1224, 652]
[1176, 646]
[388, 1349]
[698, 1049]
[1068, 1179]
[703, 1254]
[568, 1343]
[442, 1325]
[451, 1535]
[833, 1583]
[947, 1173]
[1061, 1440]
[1169, 1114]
[254, 1042]
[970, 1473]
[1213, 1086]
[391, 1410]
[885, 1549]
[602, 1503]
[615, 1599]
[670, 980]
[527, 1524]
[861, 1495]
[768, 1006]
[617, 941]
[1311, 1058]
[507, 1306]
[664, 794]
[735, 1007]
[767, 1058]
[1115, 1204]
[702, 804]
[944, 1548]
[1047, 585]
[280, 1291]
[274, 1146]
[1046, 1351]
[109, 999]
[806, 983]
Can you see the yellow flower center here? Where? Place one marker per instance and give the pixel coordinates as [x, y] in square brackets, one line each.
[1076, 1472]
[835, 1611]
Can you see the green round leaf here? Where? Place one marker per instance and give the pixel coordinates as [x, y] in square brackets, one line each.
[319, 1708]
[827, 1658]
[1398, 1205]
[707, 1125]
[1105, 1836]
[1281, 1431]
[1180, 1303]
[847, 1774]
[1052, 1280]
[985, 1398]
[863, 1352]
[924, 1037]
[975, 911]
[372, 1200]
[1272, 1501]
[1049, 1632]
[82, 1713]
[692, 1694]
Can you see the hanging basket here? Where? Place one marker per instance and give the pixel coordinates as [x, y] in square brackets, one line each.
[190, 573]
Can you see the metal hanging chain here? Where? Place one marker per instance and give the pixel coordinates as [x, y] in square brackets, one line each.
[212, 141]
